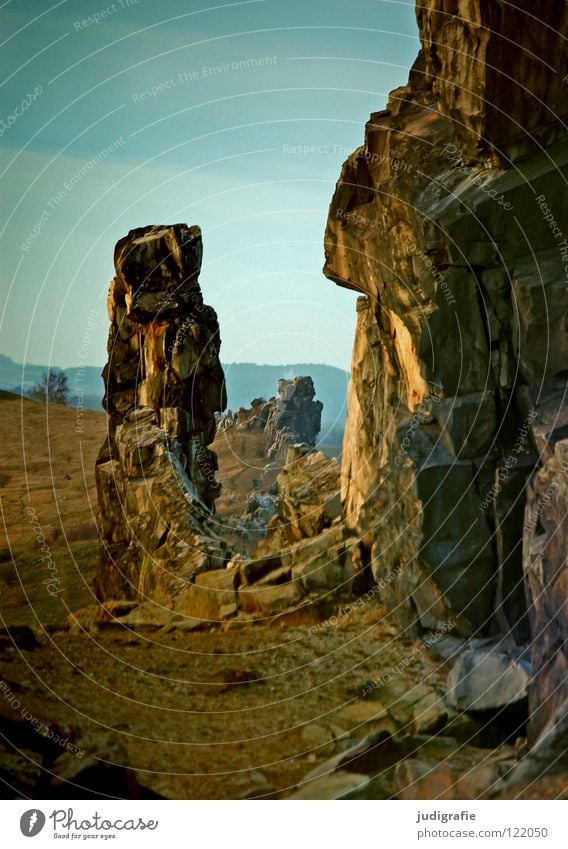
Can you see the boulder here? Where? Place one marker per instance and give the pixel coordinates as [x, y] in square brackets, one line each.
[210, 598]
[269, 599]
[484, 681]
[364, 717]
[338, 785]
[546, 574]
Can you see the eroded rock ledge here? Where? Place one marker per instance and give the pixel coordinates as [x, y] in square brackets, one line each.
[451, 223]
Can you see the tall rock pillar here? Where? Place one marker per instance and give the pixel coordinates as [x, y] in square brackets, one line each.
[164, 383]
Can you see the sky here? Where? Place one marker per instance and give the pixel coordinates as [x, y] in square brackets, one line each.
[236, 117]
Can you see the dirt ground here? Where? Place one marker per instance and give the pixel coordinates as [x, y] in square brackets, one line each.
[47, 498]
[183, 708]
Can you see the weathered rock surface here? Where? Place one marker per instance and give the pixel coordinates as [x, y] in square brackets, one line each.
[308, 499]
[450, 222]
[385, 766]
[307, 549]
[295, 416]
[546, 758]
[292, 417]
[163, 340]
[337, 785]
[485, 62]
[484, 681]
[544, 551]
[419, 779]
[164, 382]
[254, 417]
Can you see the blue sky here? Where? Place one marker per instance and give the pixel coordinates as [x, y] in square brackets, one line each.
[180, 111]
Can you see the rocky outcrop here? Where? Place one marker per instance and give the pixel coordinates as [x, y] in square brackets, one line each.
[162, 547]
[487, 65]
[450, 223]
[164, 343]
[545, 535]
[293, 417]
[306, 556]
[164, 382]
[247, 418]
[307, 499]
[306, 563]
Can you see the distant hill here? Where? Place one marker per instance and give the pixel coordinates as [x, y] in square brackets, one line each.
[245, 381]
[84, 381]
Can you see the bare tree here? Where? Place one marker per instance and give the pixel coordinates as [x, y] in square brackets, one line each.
[52, 387]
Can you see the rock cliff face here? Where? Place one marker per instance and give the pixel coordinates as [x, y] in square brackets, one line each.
[450, 222]
[164, 383]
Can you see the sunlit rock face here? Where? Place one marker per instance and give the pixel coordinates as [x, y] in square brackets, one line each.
[164, 384]
[450, 222]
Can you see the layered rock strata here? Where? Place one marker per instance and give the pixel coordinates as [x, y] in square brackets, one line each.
[302, 568]
[164, 382]
[307, 499]
[450, 222]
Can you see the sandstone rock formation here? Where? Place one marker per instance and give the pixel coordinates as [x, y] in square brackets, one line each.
[293, 417]
[247, 418]
[164, 383]
[450, 222]
[163, 550]
[307, 499]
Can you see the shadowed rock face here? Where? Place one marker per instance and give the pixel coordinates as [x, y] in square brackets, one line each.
[293, 417]
[450, 221]
[497, 70]
[164, 383]
[295, 412]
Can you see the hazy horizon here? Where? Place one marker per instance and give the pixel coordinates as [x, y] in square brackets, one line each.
[225, 362]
